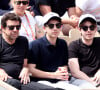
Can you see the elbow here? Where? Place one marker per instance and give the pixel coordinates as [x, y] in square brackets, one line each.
[73, 69]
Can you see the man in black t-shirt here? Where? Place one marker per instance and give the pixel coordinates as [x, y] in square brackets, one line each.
[13, 51]
[84, 58]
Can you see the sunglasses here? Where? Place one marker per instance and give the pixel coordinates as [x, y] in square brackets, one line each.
[13, 26]
[91, 27]
[51, 26]
[19, 2]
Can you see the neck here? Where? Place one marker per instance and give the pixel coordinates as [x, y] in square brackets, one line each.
[8, 40]
[87, 42]
[19, 14]
[51, 40]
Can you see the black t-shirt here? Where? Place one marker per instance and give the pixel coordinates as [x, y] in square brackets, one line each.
[46, 56]
[58, 6]
[12, 56]
[88, 56]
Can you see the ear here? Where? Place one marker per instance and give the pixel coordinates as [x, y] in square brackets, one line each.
[44, 28]
[12, 3]
[1, 27]
[79, 28]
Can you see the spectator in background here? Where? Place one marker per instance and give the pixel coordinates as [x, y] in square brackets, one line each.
[4, 6]
[89, 7]
[84, 55]
[29, 27]
[65, 8]
[48, 55]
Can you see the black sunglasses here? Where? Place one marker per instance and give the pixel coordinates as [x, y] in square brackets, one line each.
[91, 27]
[19, 2]
[13, 26]
[51, 26]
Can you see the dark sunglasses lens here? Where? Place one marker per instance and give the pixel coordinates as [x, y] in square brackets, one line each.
[25, 2]
[85, 28]
[18, 27]
[51, 26]
[92, 27]
[58, 25]
[11, 27]
[19, 2]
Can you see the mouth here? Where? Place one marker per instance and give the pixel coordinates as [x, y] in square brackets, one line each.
[89, 34]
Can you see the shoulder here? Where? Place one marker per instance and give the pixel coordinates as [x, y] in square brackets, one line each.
[75, 44]
[97, 40]
[36, 42]
[22, 39]
[62, 41]
[29, 15]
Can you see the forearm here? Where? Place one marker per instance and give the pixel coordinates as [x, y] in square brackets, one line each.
[65, 20]
[73, 20]
[41, 74]
[76, 72]
[79, 12]
[82, 75]
[45, 9]
[72, 11]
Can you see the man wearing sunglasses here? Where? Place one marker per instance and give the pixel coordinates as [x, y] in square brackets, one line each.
[48, 56]
[84, 55]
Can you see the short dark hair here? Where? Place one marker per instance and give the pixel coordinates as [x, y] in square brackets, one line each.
[9, 16]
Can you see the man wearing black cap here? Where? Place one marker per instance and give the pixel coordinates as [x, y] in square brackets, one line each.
[84, 54]
[48, 56]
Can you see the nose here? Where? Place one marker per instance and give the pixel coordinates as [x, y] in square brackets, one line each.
[21, 4]
[88, 29]
[15, 29]
[55, 27]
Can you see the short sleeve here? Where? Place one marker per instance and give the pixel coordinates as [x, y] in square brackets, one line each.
[73, 50]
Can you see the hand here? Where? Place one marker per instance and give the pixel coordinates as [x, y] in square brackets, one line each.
[74, 20]
[61, 73]
[3, 75]
[24, 76]
[97, 77]
[63, 68]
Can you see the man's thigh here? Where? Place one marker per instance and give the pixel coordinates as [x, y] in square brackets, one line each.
[13, 82]
[37, 86]
[81, 83]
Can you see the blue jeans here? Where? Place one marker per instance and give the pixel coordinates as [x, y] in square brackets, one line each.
[83, 84]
